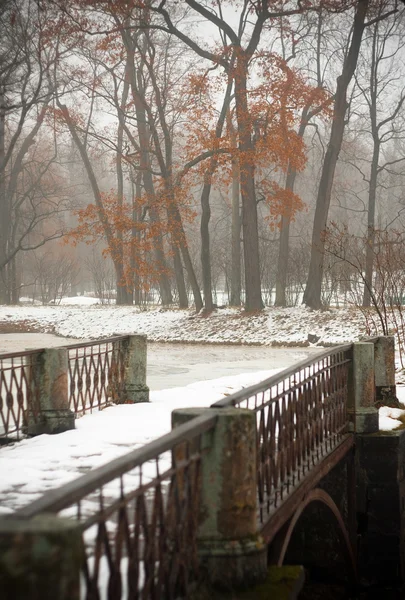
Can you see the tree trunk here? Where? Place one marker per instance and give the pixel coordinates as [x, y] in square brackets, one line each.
[181, 243]
[144, 158]
[282, 262]
[236, 274]
[283, 252]
[4, 213]
[205, 247]
[124, 294]
[124, 287]
[205, 206]
[160, 257]
[368, 277]
[312, 294]
[372, 190]
[178, 272]
[247, 187]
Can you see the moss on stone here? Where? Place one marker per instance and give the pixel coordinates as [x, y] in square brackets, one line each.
[281, 583]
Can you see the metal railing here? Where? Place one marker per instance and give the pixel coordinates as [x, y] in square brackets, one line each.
[138, 516]
[301, 417]
[96, 374]
[18, 393]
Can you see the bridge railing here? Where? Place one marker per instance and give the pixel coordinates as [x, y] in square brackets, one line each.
[141, 517]
[137, 517]
[96, 374]
[44, 385]
[301, 416]
[18, 392]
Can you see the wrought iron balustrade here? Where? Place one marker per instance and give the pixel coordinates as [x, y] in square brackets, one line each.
[301, 417]
[18, 393]
[96, 374]
[138, 516]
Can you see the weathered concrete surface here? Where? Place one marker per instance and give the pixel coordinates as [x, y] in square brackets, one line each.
[230, 548]
[50, 373]
[381, 502]
[51, 422]
[281, 583]
[384, 364]
[361, 401]
[40, 559]
[384, 361]
[135, 357]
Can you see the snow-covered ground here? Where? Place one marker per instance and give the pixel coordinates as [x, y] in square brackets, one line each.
[297, 326]
[34, 466]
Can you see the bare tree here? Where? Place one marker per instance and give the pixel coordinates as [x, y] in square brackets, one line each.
[312, 295]
[28, 196]
[53, 273]
[384, 96]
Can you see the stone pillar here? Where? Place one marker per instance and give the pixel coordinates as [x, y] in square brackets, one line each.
[381, 506]
[50, 393]
[229, 544]
[384, 363]
[135, 349]
[40, 559]
[380, 485]
[362, 411]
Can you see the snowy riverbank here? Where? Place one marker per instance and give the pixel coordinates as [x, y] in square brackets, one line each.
[34, 466]
[297, 326]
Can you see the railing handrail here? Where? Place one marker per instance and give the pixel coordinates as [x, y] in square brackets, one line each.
[72, 492]
[116, 338]
[264, 385]
[23, 353]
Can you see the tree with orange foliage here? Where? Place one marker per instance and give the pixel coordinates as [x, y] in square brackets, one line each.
[236, 61]
[276, 93]
[148, 151]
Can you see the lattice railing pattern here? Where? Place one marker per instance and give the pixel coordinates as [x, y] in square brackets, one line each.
[96, 374]
[301, 417]
[139, 516]
[18, 393]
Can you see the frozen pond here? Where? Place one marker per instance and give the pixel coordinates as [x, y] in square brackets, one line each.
[176, 365]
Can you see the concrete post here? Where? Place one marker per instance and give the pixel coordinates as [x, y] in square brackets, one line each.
[40, 559]
[135, 350]
[381, 507]
[384, 362]
[361, 402]
[229, 544]
[50, 378]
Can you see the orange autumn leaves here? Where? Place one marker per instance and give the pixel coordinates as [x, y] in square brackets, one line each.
[276, 97]
[132, 239]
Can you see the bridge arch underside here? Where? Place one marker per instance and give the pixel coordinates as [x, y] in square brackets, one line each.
[317, 533]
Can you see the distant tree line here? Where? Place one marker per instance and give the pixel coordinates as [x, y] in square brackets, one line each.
[197, 153]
